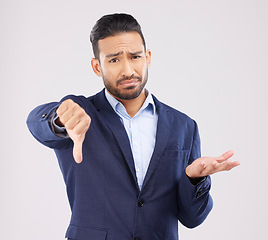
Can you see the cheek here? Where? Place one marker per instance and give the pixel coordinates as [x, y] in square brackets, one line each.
[140, 68]
[144, 69]
[110, 74]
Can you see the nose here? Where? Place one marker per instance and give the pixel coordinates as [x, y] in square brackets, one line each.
[127, 69]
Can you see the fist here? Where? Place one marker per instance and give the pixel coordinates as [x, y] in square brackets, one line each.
[77, 122]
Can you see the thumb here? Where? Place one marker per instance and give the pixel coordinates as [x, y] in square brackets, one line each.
[78, 148]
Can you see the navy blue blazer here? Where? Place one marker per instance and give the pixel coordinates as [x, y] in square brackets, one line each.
[103, 192]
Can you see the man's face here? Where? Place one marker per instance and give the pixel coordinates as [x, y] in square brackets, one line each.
[123, 64]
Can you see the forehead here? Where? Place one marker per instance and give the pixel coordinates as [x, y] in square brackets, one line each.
[126, 42]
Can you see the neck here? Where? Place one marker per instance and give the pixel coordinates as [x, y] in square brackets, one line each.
[133, 106]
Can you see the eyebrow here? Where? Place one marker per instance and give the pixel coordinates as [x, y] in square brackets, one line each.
[119, 53]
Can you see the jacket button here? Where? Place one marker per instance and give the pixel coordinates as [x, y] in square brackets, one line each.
[44, 115]
[140, 203]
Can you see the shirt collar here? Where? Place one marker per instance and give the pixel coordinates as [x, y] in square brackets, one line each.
[115, 103]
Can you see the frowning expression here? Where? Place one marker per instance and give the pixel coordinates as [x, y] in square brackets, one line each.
[123, 64]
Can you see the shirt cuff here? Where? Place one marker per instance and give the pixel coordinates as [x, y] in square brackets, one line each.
[57, 130]
[196, 181]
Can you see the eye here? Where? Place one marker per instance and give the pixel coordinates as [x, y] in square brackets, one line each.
[114, 60]
[136, 57]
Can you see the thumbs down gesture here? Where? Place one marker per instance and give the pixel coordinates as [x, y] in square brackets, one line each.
[76, 122]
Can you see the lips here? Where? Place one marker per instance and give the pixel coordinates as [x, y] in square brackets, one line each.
[130, 82]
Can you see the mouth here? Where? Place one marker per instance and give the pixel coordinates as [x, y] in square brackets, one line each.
[129, 83]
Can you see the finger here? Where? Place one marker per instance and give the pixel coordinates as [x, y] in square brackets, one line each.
[228, 165]
[72, 123]
[195, 170]
[61, 109]
[64, 106]
[225, 156]
[78, 150]
[73, 115]
[224, 166]
[211, 168]
[65, 117]
[78, 127]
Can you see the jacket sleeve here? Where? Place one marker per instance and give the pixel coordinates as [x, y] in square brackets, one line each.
[194, 201]
[39, 125]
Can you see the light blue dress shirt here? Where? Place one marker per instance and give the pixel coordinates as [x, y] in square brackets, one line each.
[141, 131]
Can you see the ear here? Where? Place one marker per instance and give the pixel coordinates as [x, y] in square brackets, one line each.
[95, 64]
[148, 55]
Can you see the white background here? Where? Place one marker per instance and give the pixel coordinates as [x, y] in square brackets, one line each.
[209, 60]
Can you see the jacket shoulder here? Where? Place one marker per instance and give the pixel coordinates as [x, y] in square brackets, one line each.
[178, 115]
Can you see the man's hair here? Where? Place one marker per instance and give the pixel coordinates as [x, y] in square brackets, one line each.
[112, 24]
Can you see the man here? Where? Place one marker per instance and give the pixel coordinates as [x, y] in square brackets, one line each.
[131, 164]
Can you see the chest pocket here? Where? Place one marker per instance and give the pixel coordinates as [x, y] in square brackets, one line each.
[177, 153]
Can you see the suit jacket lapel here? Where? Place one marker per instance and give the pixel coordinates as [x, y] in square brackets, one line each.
[111, 119]
[113, 122]
[164, 124]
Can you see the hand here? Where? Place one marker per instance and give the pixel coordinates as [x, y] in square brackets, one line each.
[205, 166]
[76, 122]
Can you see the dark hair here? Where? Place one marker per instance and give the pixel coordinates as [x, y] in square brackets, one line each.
[112, 24]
